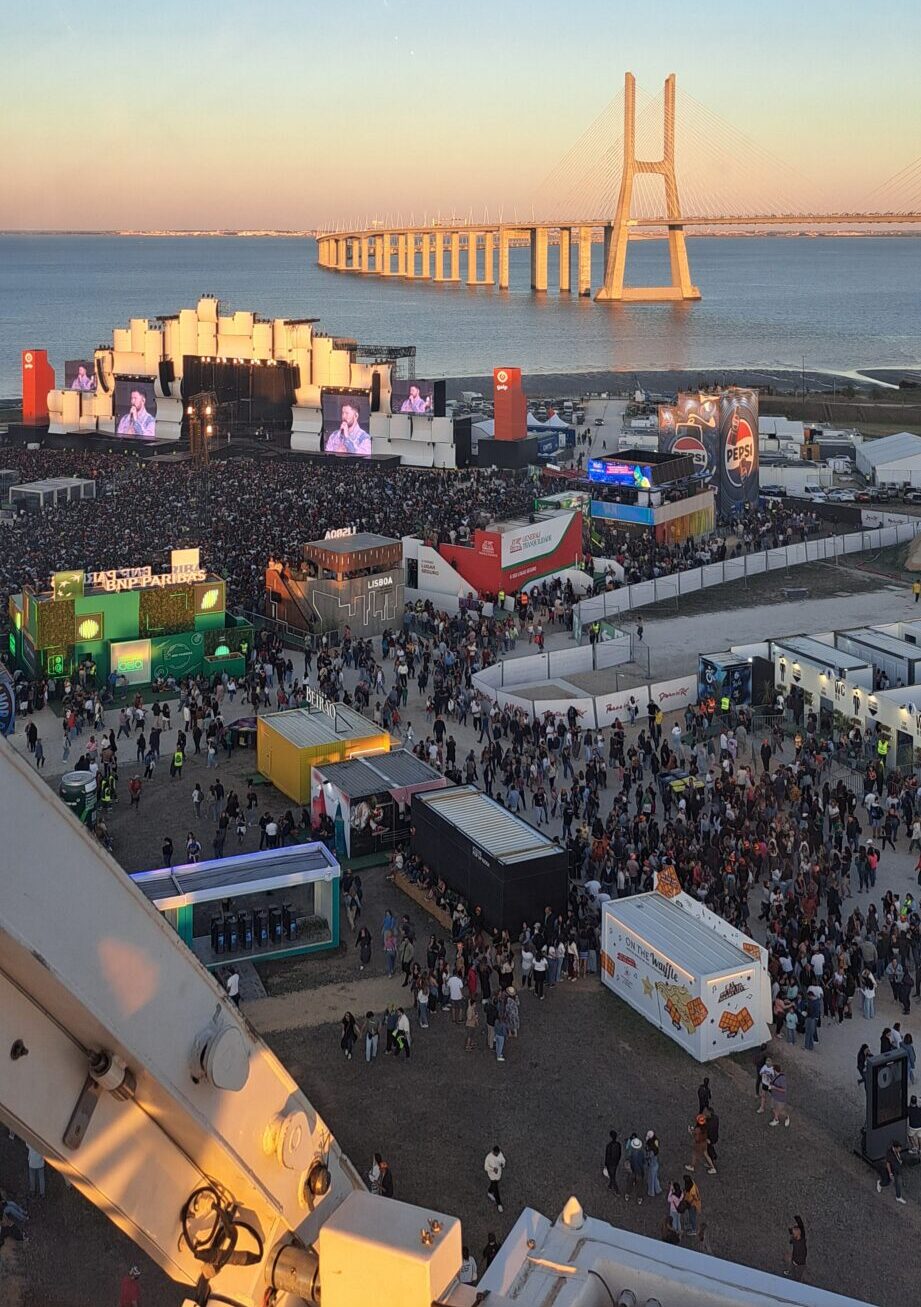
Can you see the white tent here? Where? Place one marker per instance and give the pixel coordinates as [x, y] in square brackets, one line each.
[892, 460]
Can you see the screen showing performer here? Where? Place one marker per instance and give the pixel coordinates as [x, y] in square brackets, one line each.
[79, 375]
[135, 408]
[417, 397]
[346, 417]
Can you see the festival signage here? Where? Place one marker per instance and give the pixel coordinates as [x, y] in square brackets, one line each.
[315, 699]
[340, 532]
[185, 566]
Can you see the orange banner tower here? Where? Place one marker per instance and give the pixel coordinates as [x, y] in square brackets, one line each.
[37, 380]
[510, 408]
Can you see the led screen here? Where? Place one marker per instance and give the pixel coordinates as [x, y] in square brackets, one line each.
[79, 374]
[417, 397]
[135, 408]
[346, 417]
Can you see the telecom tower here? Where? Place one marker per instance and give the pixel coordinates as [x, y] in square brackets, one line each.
[617, 236]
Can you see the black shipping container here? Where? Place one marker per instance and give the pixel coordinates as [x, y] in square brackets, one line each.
[491, 858]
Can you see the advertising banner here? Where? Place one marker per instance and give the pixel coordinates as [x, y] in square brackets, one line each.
[437, 575]
[692, 427]
[672, 696]
[610, 707]
[651, 983]
[130, 661]
[528, 543]
[739, 480]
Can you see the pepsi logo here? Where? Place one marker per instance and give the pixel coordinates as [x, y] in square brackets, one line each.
[741, 451]
[694, 448]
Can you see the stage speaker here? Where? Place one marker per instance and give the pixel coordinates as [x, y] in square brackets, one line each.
[294, 373]
[167, 375]
[101, 376]
[375, 392]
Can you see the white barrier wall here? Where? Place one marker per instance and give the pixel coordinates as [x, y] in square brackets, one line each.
[899, 529]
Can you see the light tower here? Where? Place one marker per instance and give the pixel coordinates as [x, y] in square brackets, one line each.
[617, 236]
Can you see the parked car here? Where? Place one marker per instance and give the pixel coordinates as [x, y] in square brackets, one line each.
[841, 497]
[912, 496]
[863, 497]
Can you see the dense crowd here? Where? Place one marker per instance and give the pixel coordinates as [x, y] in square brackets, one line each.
[241, 513]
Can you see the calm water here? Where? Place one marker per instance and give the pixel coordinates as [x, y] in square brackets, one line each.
[844, 303]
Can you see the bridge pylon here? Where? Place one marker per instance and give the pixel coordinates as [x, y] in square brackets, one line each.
[617, 236]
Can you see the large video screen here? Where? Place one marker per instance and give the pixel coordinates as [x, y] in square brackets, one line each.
[417, 397]
[135, 408]
[79, 374]
[346, 419]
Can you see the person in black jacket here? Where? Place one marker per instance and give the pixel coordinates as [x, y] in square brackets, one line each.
[612, 1155]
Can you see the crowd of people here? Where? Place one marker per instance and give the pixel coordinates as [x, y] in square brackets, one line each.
[242, 513]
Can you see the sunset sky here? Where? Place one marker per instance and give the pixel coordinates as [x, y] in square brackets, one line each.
[292, 113]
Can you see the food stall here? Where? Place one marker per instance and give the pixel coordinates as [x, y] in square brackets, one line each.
[671, 959]
[372, 799]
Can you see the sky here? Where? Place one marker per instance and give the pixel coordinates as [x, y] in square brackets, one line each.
[295, 114]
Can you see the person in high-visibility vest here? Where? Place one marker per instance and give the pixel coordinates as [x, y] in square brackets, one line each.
[916, 590]
[105, 792]
[882, 748]
[725, 703]
[175, 768]
[501, 597]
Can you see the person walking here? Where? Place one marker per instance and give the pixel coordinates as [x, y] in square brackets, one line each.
[472, 1023]
[673, 1206]
[468, 1270]
[651, 1151]
[704, 1097]
[765, 1076]
[407, 953]
[456, 997]
[349, 1035]
[713, 1138]
[500, 1035]
[798, 1250]
[540, 972]
[232, 986]
[891, 1171]
[698, 1132]
[129, 1294]
[494, 1166]
[778, 1091]
[36, 1173]
[402, 1038]
[363, 944]
[690, 1205]
[636, 1165]
[372, 1033]
[612, 1155]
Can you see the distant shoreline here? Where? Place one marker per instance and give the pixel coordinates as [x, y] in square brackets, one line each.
[249, 234]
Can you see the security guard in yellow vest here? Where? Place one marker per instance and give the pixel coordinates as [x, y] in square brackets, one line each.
[882, 749]
[105, 792]
[725, 704]
[175, 767]
[501, 598]
[916, 590]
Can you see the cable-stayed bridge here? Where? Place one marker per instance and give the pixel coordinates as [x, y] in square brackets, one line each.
[645, 166]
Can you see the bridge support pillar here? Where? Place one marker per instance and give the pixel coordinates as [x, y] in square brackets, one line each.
[455, 256]
[410, 270]
[473, 238]
[385, 264]
[565, 260]
[616, 242]
[401, 254]
[439, 256]
[341, 253]
[503, 258]
[489, 247]
[539, 258]
[365, 253]
[426, 256]
[585, 261]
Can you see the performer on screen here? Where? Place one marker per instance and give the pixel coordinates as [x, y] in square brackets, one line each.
[82, 381]
[414, 403]
[137, 421]
[350, 438]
